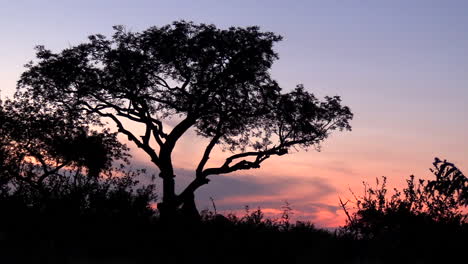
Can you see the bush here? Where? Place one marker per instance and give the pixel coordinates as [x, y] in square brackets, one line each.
[426, 220]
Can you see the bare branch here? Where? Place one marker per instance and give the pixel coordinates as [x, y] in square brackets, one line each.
[260, 156]
[207, 152]
[145, 146]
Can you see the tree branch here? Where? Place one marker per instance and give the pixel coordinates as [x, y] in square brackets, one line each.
[207, 152]
[175, 134]
[260, 156]
[143, 145]
[140, 115]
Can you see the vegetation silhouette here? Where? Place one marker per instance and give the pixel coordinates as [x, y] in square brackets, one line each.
[426, 221]
[67, 194]
[215, 81]
[58, 178]
[55, 213]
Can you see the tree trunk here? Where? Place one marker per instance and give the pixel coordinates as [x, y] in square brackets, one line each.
[168, 207]
[189, 210]
[179, 207]
[187, 198]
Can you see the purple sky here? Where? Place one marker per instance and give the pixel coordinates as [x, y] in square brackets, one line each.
[402, 67]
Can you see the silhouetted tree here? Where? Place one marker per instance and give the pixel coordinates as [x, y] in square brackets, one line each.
[212, 80]
[39, 143]
[51, 161]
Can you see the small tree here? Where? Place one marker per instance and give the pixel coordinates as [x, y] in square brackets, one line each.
[214, 81]
[39, 144]
[52, 164]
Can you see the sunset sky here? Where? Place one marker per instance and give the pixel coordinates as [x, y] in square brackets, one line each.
[401, 66]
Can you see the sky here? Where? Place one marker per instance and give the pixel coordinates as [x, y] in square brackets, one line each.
[401, 66]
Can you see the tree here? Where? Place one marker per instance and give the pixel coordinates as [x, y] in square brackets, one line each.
[215, 81]
[39, 144]
[52, 163]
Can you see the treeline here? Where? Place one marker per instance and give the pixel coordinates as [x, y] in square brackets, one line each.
[67, 196]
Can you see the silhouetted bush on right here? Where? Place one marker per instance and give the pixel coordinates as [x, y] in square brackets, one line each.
[427, 219]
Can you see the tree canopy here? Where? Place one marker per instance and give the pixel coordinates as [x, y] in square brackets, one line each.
[215, 81]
